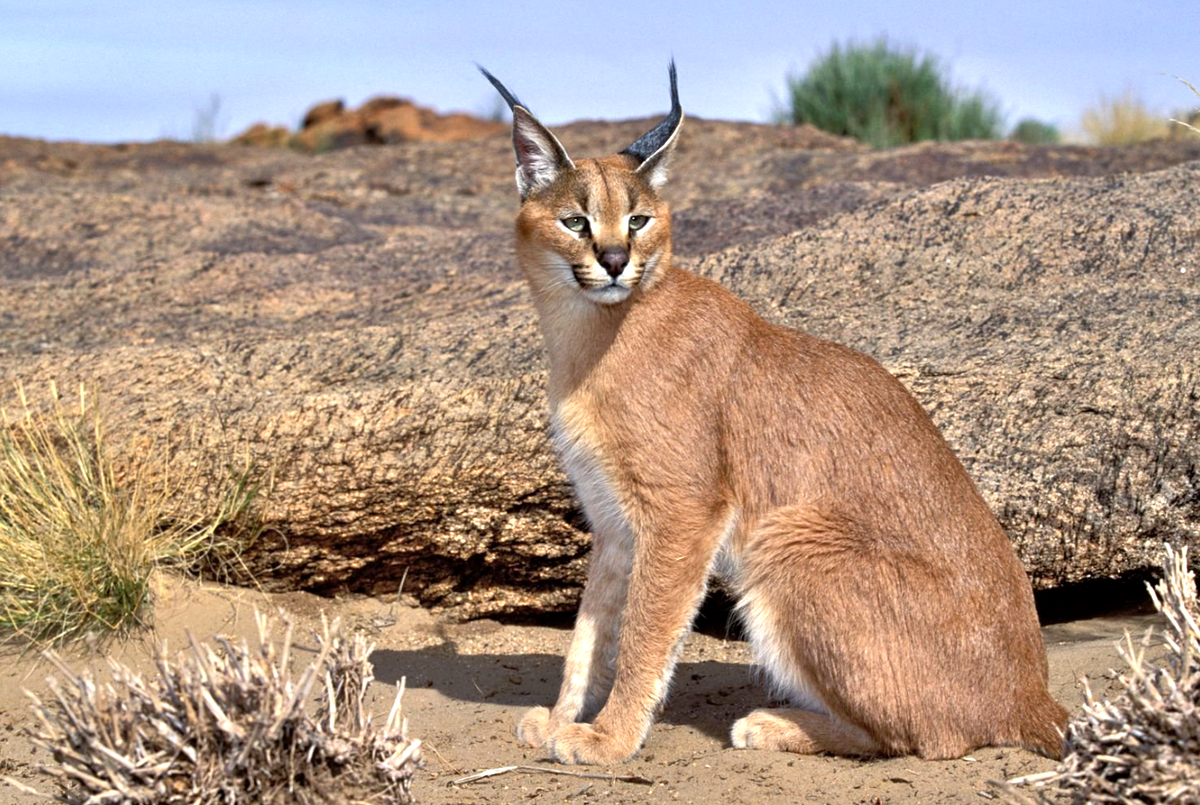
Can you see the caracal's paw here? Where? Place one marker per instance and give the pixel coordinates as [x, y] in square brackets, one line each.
[534, 727]
[761, 730]
[584, 743]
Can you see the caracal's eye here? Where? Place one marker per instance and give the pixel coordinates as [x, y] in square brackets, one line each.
[575, 223]
[636, 222]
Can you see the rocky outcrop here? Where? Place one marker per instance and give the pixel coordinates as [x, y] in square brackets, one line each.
[354, 322]
[323, 112]
[380, 121]
[264, 135]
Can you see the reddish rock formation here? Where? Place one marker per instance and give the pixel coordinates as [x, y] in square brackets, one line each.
[263, 135]
[328, 110]
[384, 120]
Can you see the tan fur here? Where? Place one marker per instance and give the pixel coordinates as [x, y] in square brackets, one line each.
[878, 590]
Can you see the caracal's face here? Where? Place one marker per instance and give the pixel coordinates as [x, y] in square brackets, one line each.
[598, 231]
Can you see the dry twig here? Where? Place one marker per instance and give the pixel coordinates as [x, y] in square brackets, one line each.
[613, 778]
[228, 725]
[1144, 745]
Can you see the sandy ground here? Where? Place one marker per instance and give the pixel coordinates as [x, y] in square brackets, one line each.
[468, 684]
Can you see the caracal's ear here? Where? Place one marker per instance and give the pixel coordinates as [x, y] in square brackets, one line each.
[540, 156]
[653, 149]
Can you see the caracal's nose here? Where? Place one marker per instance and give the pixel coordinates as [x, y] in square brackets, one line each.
[614, 261]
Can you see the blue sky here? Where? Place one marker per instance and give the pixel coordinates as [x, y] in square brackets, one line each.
[135, 70]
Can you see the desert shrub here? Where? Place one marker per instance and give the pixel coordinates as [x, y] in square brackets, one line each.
[1144, 745]
[80, 541]
[1122, 120]
[885, 96]
[228, 725]
[1034, 132]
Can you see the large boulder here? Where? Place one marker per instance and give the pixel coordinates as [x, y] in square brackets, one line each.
[354, 322]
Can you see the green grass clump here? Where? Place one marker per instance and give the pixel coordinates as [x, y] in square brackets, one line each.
[80, 541]
[1032, 131]
[886, 96]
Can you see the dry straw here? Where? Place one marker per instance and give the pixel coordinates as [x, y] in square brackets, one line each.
[228, 725]
[1144, 745]
[1196, 114]
[1122, 120]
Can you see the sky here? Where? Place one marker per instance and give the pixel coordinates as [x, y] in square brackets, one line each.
[121, 70]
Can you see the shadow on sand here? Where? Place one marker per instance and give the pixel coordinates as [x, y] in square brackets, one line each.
[707, 695]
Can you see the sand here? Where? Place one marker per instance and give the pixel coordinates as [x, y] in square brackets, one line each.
[468, 683]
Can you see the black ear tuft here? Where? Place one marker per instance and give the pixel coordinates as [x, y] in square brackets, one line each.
[509, 98]
[645, 146]
[540, 156]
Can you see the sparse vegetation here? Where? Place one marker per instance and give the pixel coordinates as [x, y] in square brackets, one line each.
[1122, 120]
[226, 725]
[1190, 120]
[80, 540]
[1034, 132]
[886, 96]
[1144, 745]
[206, 122]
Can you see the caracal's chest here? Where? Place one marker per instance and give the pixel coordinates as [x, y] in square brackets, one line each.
[593, 467]
[578, 439]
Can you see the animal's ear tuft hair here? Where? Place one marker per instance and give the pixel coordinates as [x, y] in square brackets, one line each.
[509, 98]
[540, 156]
[653, 149]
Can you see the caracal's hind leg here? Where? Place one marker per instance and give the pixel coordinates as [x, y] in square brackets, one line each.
[777, 568]
[803, 732]
[895, 651]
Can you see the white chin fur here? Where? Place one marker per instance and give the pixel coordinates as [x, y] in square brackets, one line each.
[609, 295]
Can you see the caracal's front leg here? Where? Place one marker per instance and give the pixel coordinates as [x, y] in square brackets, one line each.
[591, 660]
[670, 569]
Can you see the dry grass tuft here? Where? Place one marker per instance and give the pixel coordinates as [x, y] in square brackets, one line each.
[1194, 117]
[80, 540]
[1122, 120]
[1143, 746]
[228, 725]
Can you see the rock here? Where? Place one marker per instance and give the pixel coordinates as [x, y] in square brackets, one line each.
[355, 324]
[263, 135]
[327, 110]
[380, 121]
[1048, 326]
[334, 134]
[410, 123]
